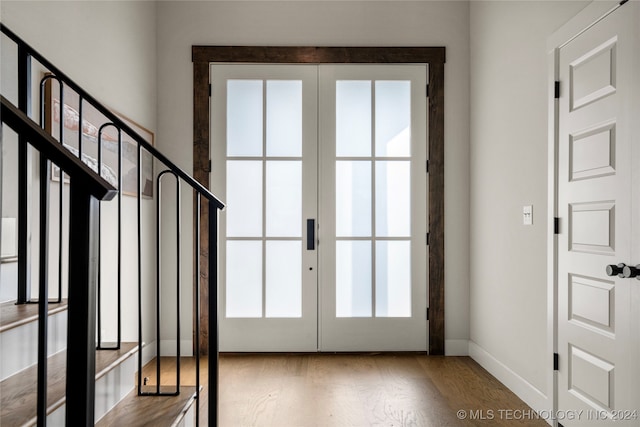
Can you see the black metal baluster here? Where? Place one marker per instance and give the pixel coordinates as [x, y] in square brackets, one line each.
[158, 273]
[119, 290]
[24, 104]
[139, 231]
[213, 313]
[43, 123]
[43, 292]
[99, 251]
[119, 251]
[61, 193]
[197, 306]
[158, 283]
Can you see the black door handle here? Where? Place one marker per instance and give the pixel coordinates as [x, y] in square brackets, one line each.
[616, 270]
[311, 234]
[630, 271]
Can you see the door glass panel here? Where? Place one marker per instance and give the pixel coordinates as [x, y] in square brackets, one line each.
[393, 118]
[244, 198]
[393, 198]
[353, 118]
[284, 118]
[284, 279]
[284, 198]
[353, 198]
[393, 279]
[244, 278]
[244, 118]
[353, 278]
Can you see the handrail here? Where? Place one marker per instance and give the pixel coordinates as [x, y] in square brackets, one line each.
[113, 118]
[97, 186]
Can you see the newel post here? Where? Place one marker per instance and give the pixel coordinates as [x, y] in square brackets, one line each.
[81, 335]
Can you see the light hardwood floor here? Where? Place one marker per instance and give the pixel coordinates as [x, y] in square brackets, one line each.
[344, 390]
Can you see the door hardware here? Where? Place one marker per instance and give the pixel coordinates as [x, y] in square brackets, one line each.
[311, 234]
[630, 271]
[613, 270]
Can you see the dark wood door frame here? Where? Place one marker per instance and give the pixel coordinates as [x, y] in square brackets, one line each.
[203, 56]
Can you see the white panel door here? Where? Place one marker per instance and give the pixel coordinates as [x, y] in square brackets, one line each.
[373, 186]
[264, 142]
[598, 158]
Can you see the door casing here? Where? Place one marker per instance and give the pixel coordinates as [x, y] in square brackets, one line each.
[203, 56]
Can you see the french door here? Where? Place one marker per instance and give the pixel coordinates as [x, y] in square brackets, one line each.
[323, 169]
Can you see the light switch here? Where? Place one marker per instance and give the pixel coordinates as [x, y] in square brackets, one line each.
[527, 215]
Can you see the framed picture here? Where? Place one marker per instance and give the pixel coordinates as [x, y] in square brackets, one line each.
[94, 130]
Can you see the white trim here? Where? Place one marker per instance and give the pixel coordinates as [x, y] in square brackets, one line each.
[168, 348]
[552, 238]
[456, 347]
[148, 353]
[526, 391]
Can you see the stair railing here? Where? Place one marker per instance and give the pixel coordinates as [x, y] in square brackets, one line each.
[84, 318]
[87, 188]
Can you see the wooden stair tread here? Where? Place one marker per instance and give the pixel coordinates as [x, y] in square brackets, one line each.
[13, 315]
[19, 392]
[158, 411]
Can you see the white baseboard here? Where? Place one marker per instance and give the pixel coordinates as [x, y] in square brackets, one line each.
[456, 347]
[168, 348]
[533, 397]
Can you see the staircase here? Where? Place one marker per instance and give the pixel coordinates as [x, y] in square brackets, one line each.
[67, 357]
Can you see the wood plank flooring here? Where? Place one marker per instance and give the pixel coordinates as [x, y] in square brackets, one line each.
[327, 390]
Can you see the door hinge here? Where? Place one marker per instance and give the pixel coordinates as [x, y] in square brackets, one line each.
[208, 167]
[556, 90]
[210, 90]
[427, 166]
[427, 91]
[427, 313]
[556, 225]
[427, 239]
[556, 361]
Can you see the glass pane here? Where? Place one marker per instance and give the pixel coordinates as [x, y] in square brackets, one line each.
[353, 198]
[284, 279]
[353, 118]
[244, 198]
[353, 279]
[393, 198]
[393, 118]
[284, 118]
[244, 118]
[244, 278]
[284, 199]
[393, 279]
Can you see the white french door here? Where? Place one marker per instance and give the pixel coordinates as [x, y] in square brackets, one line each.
[373, 208]
[323, 240]
[264, 145]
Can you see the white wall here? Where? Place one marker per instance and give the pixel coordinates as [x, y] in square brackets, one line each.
[509, 170]
[108, 48]
[396, 23]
